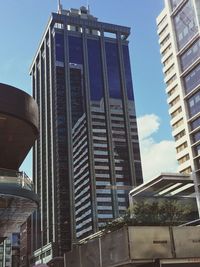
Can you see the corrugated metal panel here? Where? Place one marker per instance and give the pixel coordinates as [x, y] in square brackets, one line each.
[115, 248]
[90, 254]
[149, 242]
[187, 241]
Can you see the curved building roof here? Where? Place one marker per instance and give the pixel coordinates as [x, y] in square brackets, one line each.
[18, 131]
[18, 126]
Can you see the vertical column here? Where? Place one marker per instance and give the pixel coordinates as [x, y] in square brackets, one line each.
[89, 131]
[126, 112]
[69, 134]
[41, 146]
[109, 127]
[34, 161]
[37, 158]
[47, 152]
[51, 136]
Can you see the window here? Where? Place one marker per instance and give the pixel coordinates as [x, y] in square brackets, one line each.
[197, 150]
[176, 112]
[172, 91]
[177, 124]
[195, 124]
[181, 147]
[187, 170]
[165, 40]
[192, 79]
[179, 135]
[166, 50]
[170, 81]
[163, 31]
[176, 100]
[184, 159]
[188, 57]
[168, 71]
[196, 137]
[168, 60]
[185, 24]
[174, 3]
[162, 22]
[194, 104]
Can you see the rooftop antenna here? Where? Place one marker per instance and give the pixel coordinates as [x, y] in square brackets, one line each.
[59, 7]
[88, 7]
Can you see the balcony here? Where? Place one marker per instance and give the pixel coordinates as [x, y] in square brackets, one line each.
[17, 200]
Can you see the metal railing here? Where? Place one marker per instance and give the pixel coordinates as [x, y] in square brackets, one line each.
[15, 178]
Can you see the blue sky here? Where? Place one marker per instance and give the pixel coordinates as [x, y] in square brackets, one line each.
[22, 24]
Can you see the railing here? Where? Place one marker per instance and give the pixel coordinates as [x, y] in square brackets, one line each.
[16, 178]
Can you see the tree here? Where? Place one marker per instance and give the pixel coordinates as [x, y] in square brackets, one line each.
[155, 212]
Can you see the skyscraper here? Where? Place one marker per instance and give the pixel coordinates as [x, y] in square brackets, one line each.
[179, 38]
[87, 157]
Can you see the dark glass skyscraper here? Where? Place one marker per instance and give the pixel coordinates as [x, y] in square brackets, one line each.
[87, 157]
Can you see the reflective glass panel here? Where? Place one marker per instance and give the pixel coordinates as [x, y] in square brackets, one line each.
[194, 104]
[59, 43]
[75, 50]
[175, 3]
[99, 133]
[185, 24]
[82, 179]
[196, 137]
[195, 123]
[192, 54]
[192, 79]
[127, 66]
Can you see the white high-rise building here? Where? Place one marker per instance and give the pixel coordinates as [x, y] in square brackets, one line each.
[178, 27]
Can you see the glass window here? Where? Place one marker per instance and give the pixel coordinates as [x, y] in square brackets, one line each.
[59, 40]
[112, 60]
[192, 79]
[171, 80]
[197, 150]
[190, 55]
[165, 40]
[166, 50]
[179, 135]
[176, 112]
[75, 50]
[185, 24]
[187, 170]
[194, 104]
[174, 3]
[181, 147]
[127, 67]
[96, 77]
[162, 22]
[195, 124]
[183, 159]
[177, 124]
[196, 137]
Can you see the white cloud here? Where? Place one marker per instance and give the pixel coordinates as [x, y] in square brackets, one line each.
[148, 124]
[156, 157]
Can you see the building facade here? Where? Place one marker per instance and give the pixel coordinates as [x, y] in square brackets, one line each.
[87, 157]
[179, 38]
[9, 251]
